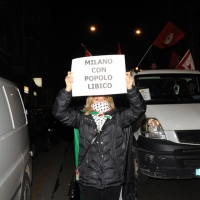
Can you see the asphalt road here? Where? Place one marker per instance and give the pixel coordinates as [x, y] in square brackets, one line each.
[52, 172]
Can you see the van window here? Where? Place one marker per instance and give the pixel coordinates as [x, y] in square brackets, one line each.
[18, 113]
[5, 119]
[169, 88]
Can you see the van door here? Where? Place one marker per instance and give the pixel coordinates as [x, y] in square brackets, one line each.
[13, 142]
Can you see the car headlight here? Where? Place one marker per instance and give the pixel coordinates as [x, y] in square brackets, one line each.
[152, 128]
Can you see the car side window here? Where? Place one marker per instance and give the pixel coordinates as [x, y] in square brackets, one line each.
[5, 119]
[17, 110]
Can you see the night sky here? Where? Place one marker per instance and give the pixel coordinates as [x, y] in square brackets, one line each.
[116, 22]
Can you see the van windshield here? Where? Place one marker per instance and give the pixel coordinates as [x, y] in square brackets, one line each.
[169, 88]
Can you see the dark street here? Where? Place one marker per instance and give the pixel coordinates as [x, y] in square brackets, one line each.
[52, 171]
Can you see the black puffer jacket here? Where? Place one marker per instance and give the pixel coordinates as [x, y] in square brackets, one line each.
[105, 161]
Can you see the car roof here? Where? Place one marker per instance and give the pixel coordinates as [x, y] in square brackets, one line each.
[166, 71]
[5, 81]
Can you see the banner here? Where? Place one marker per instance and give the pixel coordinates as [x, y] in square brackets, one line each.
[87, 53]
[119, 49]
[186, 62]
[174, 60]
[169, 36]
[99, 75]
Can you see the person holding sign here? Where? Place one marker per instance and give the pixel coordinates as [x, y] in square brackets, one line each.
[101, 174]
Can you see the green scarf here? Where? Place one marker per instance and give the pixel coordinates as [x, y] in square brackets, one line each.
[96, 113]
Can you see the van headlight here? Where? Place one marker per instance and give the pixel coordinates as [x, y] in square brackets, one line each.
[152, 128]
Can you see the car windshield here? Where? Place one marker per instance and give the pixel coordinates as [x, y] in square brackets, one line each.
[169, 88]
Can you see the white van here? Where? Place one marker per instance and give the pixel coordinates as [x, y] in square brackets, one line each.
[167, 137]
[15, 158]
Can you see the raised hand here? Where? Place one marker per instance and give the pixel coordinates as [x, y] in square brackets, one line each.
[129, 80]
[69, 81]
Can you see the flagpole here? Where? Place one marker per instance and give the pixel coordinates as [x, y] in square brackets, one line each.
[181, 59]
[83, 46]
[150, 47]
[87, 52]
[144, 55]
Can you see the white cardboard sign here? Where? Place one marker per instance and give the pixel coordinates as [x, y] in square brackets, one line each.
[98, 75]
[145, 94]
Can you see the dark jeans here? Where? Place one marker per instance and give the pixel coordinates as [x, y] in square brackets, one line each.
[91, 193]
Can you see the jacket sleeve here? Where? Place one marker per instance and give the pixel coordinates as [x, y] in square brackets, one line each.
[61, 110]
[135, 111]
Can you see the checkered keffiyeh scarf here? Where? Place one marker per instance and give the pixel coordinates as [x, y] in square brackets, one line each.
[99, 117]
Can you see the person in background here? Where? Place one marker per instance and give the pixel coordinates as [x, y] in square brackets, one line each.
[153, 65]
[191, 87]
[101, 174]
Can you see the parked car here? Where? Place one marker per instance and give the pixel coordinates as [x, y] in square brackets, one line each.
[167, 137]
[42, 129]
[52, 124]
[39, 136]
[15, 156]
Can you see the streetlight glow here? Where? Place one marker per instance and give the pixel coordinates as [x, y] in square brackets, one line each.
[92, 28]
[138, 32]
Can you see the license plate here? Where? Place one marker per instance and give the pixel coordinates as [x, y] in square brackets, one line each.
[197, 172]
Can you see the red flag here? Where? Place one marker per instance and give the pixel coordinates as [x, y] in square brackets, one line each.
[174, 60]
[87, 53]
[169, 36]
[119, 49]
[186, 62]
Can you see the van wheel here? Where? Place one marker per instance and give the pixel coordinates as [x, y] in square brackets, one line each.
[26, 188]
[140, 177]
[47, 145]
